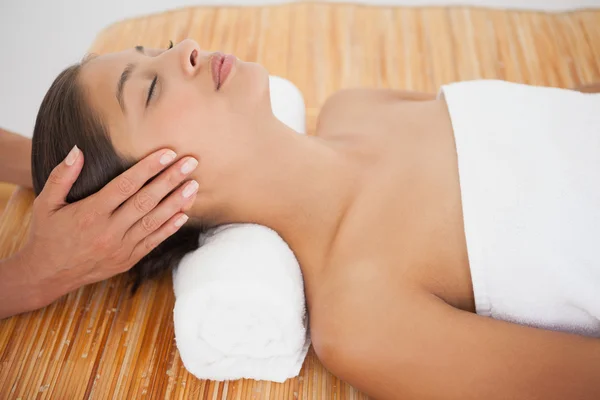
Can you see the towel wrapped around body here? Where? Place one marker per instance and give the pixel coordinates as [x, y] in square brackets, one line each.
[529, 168]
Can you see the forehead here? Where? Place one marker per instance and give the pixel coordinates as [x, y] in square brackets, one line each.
[98, 71]
[100, 76]
[102, 62]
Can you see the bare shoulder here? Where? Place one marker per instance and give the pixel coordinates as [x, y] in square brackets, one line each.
[349, 97]
[348, 108]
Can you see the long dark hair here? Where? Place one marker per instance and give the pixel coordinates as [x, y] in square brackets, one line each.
[65, 119]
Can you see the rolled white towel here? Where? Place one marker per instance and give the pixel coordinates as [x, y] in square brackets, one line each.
[287, 103]
[240, 307]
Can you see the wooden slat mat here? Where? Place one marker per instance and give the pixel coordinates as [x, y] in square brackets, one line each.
[99, 342]
[6, 189]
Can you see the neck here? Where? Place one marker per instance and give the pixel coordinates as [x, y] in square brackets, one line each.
[299, 186]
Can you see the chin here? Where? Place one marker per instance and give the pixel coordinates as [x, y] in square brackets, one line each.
[254, 79]
[259, 75]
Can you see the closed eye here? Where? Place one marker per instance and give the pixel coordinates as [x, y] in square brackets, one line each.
[153, 84]
[151, 89]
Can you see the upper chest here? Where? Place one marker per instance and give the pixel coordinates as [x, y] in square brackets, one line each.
[407, 212]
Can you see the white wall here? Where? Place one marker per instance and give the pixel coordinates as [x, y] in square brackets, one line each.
[38, 38]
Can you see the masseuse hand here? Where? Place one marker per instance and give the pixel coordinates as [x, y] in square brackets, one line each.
[71, 245]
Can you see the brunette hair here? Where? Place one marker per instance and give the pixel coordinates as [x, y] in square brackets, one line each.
[65, 119]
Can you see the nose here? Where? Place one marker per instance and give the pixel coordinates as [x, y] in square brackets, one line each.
[189, 56]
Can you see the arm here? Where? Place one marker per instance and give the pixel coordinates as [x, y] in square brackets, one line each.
[422, 348]
[15, 158]
[20, 291]
[480, 357]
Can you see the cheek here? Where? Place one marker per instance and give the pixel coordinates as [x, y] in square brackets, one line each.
[187, 119]
[195, 115]
[172, 123]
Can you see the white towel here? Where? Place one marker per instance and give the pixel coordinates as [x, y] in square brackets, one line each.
[529, 167]
[239, 299]
[287, 103]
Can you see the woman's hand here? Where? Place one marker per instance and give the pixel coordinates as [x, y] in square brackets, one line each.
[71, 245]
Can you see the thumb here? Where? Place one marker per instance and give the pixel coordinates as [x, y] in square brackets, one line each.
[61, 179]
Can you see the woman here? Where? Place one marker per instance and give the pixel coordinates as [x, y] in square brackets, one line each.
[371, 207]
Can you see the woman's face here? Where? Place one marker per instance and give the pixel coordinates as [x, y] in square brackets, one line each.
[177, 98]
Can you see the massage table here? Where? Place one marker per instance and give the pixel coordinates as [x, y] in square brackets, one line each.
[101, 342]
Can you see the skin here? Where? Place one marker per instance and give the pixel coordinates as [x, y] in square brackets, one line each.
[371, 207]
[15, 152]
[72, 245]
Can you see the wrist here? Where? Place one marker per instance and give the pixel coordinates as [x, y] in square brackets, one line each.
[41, 279]
[19, 290]
[29, 281]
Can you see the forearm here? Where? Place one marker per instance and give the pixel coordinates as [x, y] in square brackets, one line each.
[26, 284]
[15, 158]
[19, 288]
[427, 349]
[485, 358]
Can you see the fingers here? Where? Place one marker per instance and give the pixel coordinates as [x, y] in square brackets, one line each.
[147, 198]
[148, 244]
[178, 201]
[61, 179]
[129, 182]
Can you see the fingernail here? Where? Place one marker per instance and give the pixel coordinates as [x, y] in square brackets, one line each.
[167, 157]
[181, 220]
[190, 189]
[72, 156]
[189, 166]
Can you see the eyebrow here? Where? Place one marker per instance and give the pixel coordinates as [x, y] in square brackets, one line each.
[121, 84]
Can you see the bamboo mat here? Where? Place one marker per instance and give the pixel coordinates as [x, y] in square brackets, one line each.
[101, 343]
[6, 189]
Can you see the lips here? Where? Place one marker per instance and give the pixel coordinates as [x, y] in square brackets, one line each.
[221, 66]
